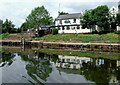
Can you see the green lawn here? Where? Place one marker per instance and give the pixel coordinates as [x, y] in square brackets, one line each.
[112, 56]
[110, 37]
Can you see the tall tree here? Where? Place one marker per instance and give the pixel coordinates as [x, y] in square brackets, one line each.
[102, 17]
[118, 19]
[24, 26]
[87, 19]
[7, 26]
[99, 16]
[39, 16]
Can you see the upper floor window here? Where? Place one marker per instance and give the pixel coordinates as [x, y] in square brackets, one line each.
[60, 21]
[74, 20]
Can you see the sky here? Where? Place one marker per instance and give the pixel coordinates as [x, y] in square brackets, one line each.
[18, 10]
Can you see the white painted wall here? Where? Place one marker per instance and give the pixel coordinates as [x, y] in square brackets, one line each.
[74, 30]
[118, 28]
[113, 12]
[71, 22]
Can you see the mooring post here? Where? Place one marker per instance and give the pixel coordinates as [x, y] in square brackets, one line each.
[23, 41]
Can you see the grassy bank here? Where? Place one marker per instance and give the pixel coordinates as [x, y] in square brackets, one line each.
[18, 36]
[112, 56]
[3, 35]
[110, 37]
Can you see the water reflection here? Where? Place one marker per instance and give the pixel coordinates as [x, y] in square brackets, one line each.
[94, 69]
[6, 59]
[39, 67]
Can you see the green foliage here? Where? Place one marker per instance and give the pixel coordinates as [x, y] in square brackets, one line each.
[110, 37]
[8, 26]
[99, 16]
[87, 19]
[24, 26]
[3, 35]
[119, 7]
[54, 31]
[39, 16]
[118, 19]
[63, 13]
[112, 56]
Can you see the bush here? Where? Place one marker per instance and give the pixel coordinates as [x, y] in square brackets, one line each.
[3, 35]
[54, 31]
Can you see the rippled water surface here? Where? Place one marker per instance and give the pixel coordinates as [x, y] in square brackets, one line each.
[39, 67]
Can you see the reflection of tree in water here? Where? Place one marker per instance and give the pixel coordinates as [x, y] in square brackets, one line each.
[38, 66]
[98, 73]
[7, 58]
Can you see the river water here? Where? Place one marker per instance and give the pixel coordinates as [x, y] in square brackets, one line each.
[39, 67]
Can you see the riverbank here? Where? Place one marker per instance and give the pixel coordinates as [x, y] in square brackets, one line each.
[64, 52]
[107, 47]
[81, 38]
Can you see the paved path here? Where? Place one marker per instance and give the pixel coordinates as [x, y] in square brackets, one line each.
[76, 43]
[64, 43]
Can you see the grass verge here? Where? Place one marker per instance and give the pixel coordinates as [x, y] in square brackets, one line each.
[112, 56]
[85, 38]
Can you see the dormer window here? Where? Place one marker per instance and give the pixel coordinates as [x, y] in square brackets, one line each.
[74, 20]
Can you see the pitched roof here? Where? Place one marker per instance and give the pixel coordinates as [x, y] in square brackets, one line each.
[69, 16]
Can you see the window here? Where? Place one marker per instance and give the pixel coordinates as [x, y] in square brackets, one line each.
[73, 27]
[74, 20]
[78, 27]
[63, 28]
[68, 27]
[68, 60]
[58, 28]
[60, 21]
[113, 9]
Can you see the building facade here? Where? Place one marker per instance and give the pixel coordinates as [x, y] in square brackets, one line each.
[113, 10]
[70, 23]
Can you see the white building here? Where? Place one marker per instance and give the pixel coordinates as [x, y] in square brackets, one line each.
[71, 62]
[113, 10]
[70, 23]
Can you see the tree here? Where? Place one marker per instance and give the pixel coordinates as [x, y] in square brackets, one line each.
[99, 16]
[39, 16]
[24, 26]
[102, 17]
[118, 19]
[87, 19]
[1, 22]
[7, 26]
[63, 13]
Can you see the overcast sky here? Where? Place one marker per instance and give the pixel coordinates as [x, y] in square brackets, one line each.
[18, 10]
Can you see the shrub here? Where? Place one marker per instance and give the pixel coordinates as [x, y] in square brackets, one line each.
[54, 31]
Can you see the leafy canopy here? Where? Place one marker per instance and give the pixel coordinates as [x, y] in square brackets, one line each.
[118, 19]
[99, 16]
[63, 13]
[39, 16]
[8, 26]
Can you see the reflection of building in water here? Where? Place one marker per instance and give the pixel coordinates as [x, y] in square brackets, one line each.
[72, 62]
[118, 63]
